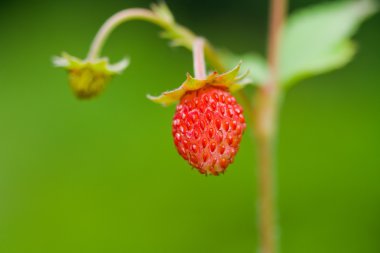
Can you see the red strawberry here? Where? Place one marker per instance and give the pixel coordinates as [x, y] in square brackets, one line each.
[207, 128]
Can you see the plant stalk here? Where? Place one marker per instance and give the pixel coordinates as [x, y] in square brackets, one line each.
[265, 132]
[185, 36]
[114, 21]
[199, 59]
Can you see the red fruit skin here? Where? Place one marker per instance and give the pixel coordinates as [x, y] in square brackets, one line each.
[207, 128]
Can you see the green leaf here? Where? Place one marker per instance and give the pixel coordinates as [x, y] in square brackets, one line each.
[253, 63]
[317, 39]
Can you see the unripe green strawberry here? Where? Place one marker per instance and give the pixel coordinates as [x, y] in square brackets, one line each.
[207, 128]
[88, 78]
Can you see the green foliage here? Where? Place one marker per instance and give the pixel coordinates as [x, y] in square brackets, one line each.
[251, 62]
[316, 39]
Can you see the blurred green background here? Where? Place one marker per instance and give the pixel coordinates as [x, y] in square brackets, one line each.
[103, 175]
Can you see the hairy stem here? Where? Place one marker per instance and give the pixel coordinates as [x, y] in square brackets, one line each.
[199, 58]
[114, 21]
[265, 131]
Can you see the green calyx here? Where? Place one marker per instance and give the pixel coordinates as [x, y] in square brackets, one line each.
[88, 78]
[229, 80]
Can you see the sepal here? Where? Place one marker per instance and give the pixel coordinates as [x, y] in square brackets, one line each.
[88, 78]
[229, 80]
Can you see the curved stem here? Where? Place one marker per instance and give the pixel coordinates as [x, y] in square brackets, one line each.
[116, 20]
[265, 131]
[179, 34]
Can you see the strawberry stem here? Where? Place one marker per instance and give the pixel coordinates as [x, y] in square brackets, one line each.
[265, 131]
[114, 21]
[179, 35]
[199, 58]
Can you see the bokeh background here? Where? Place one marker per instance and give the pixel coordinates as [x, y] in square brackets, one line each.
[103, 175]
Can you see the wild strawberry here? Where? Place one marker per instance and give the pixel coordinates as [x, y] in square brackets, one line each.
[208, 123]
[207, 128]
